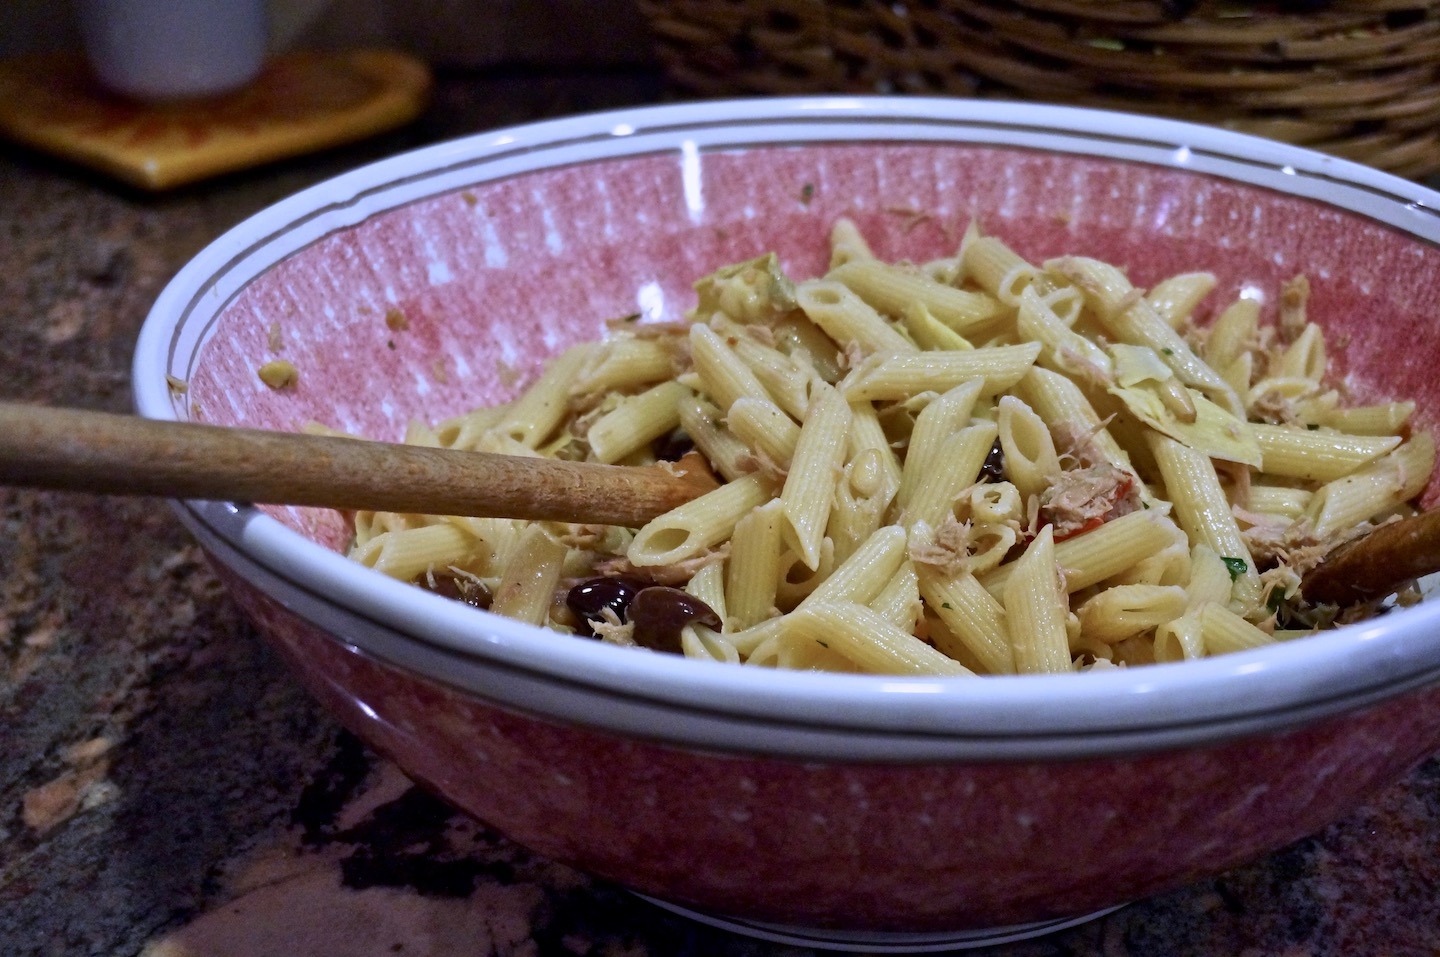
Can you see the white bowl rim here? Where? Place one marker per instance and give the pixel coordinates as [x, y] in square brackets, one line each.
[1322, 674]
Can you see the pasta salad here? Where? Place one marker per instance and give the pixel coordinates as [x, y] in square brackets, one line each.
[977, 465]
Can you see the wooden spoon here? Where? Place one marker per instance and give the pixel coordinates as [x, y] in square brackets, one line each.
[126, 455]
[1375, 564]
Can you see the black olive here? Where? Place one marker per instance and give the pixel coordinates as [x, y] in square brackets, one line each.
[658, 613]
[994, 468]
[468, 590]
[672, 446]
[589, 598]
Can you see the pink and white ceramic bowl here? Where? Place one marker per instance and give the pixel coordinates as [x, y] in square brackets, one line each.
[861, 804]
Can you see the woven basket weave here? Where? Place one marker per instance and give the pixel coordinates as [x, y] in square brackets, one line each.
[1356, 78]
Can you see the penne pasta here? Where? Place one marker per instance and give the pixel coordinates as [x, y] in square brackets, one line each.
[971, 466]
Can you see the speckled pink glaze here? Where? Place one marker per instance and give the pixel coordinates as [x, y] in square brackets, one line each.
[456, 300]
[872, 846]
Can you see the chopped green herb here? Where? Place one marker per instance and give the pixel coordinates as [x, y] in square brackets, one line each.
[1168, 352]
[807, 193]
[1276, 599]
[821, 643]
[1236, 566]
[944, 604]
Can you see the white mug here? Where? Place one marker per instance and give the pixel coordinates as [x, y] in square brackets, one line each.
[174, 49]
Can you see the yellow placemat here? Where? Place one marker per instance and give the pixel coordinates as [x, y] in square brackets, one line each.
[301, 102]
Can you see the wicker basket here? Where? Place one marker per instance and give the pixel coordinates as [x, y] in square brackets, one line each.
[1357, 78]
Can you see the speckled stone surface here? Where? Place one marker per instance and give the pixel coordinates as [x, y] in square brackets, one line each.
[167, 789]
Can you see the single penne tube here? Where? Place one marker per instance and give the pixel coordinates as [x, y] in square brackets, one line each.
[989, 544]
[848, 319]
[698, 525]
[972, 616]
[416, 433]
[1062, 348]
[1316, 456]
[706, 644]
[1180, 640]
[1209, 579]
[624, 364]
[766, 429]
[803, 341]
[1091, 557]
[866, 432]
[1066, 302]
[1232, 333]
[724, 378]
[867, 639]
[798, 651]
[532, 570]
[636, 422]
[1176, 298]
[847, 244]
[861, 576]
[890, 289]
[464, 431]
[1168, 566]
[1074, 425]
[497, 535]
[1129, 610]
[369, 524]
[1304, 358]
[1240, 373]
[531, 417]
[892, 377]
[796, 580]
[1035, 610]
[407, 554]
[862, 497]
[708, 585]
[729, 456]
[940, 419]
[809, 491]
[1031, 463]
[1386, 418]
[1278, 500]
[954, 468]
[752, 569]
[899, 601]
[997, 269]
[497, 440]
[1202, 509]
[972, 233]
[1223, 631]
[927, 332]
[996, 503]
[1380, 487]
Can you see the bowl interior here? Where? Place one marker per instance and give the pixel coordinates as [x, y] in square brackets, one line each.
[457, 300]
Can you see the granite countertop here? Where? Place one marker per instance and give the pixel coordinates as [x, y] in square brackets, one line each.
[167, 789]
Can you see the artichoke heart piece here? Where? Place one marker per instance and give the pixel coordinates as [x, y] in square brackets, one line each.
[750, 291]
[1142, 381]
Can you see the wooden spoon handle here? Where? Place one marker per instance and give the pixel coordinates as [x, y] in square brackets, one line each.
[1374, 565]
[125, 455]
